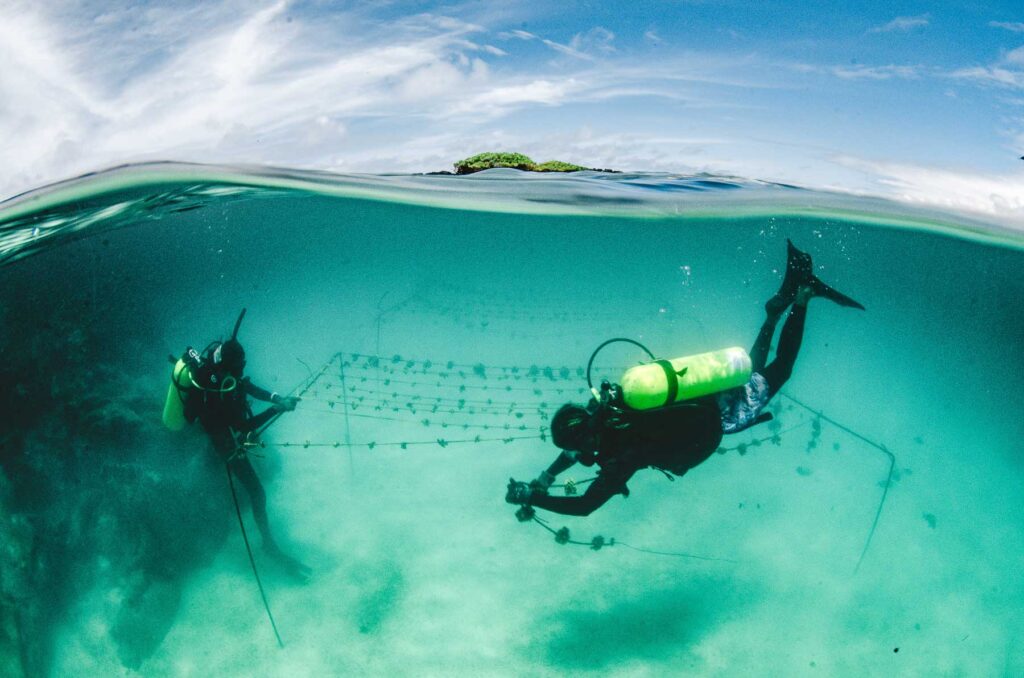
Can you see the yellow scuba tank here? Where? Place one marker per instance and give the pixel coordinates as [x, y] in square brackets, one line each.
[174, 406]
[663, 382]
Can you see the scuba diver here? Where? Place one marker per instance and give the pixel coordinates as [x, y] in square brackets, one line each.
[676, 437]
[211, 388]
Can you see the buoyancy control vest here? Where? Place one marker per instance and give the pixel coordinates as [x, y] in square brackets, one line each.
[194, 379]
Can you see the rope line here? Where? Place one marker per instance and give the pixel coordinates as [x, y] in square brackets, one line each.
[881, 448]
[338, 407]
[440, 383]
[413, 396]
[441, 442]
[252, 561]
[479, 369]
[562, 536]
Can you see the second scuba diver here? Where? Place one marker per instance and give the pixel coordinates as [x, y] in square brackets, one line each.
[217, 396]
[674, 438]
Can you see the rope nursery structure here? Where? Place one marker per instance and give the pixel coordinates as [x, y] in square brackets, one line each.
[459, 403]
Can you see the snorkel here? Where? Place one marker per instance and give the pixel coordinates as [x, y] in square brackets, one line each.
[238, 323]
[230, 354]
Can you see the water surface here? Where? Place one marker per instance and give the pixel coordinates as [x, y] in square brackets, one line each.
[436, 323]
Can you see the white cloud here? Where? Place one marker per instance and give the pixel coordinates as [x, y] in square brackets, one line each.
[500, 99]
[902, 23]
[1007, 71]
[1015, 56]
[518, 35]
[992, 194]
[597, 39]
[244, 85]
[875, 72]
[1014, 26]
[864, 72]
[568, 50]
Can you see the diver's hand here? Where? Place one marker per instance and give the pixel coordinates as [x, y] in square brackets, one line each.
[285, 403]
[518, 492]
[541, 483]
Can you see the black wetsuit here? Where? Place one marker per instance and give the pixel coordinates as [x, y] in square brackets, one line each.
[672, 438]
[227, 418]
[778, 372]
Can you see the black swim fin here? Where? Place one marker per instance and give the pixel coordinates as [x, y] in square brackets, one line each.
[820, 289]
[295, 569]
[798, 272]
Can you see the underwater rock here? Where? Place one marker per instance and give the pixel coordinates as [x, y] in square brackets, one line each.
[14, 555]
[94, 493]
[146, 616]
[114, 421]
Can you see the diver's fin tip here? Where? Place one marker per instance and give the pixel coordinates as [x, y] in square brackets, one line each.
[821, 289]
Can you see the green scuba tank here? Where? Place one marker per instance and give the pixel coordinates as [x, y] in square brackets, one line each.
[177, 391]
[664, 382]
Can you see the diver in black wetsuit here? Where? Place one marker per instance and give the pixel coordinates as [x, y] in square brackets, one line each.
[675, 438]
[219, 400]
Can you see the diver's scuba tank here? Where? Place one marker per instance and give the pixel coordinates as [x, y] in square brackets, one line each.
[182, 382]
[664, 382]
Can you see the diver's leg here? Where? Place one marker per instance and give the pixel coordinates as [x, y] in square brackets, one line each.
[244, 471]
[246, 474]
[779, 370]
[798, 270]
[759, 351]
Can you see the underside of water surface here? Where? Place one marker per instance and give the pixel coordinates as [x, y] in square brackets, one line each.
[433, 326]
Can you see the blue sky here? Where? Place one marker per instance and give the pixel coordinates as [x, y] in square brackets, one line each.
[923, 102]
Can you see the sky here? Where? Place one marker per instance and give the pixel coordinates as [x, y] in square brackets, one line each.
[917, 101]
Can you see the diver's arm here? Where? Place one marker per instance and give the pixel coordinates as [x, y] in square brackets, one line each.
[286, 403]
[561, 463]
[599, 492]
[256, 392]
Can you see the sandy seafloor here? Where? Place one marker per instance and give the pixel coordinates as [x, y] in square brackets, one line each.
[421, 568]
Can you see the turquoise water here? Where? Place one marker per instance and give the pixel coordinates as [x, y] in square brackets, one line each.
[434, 324]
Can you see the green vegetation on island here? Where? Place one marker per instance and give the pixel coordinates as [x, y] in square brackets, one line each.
[484, 161]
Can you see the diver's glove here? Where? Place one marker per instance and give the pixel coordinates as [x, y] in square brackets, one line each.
[542, 482]
[284, 403]
[518, 492]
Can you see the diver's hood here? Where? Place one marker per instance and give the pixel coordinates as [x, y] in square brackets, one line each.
[231, 356]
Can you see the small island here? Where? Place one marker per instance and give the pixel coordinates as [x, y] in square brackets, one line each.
[484, 161]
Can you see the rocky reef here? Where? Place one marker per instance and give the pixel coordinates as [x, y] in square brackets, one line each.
[104, 515]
